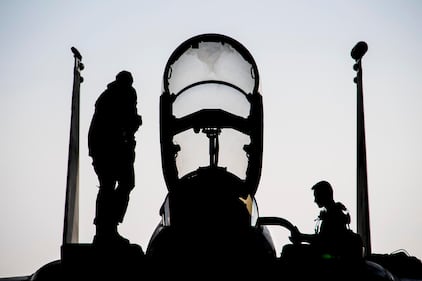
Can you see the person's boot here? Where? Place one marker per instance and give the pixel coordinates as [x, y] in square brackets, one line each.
[107, 235]
[119, 239]
[106, 220]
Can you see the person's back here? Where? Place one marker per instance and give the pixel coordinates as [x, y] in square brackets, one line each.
[115, 120]
[334, 220]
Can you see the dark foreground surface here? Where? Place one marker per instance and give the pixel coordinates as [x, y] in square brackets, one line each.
[130, 262]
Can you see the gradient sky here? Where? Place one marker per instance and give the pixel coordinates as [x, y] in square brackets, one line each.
[302, 49]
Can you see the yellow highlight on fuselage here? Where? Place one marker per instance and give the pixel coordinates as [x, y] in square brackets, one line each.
[248, 203]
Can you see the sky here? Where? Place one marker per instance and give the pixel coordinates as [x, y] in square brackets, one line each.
[302, 50]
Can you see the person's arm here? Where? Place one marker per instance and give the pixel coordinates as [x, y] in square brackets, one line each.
[297, 237]
[131, 119]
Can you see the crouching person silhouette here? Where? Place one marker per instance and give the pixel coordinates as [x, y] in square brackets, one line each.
[333, 241]
[111, 143]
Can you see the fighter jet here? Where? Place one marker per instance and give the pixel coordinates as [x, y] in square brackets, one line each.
[211, 137]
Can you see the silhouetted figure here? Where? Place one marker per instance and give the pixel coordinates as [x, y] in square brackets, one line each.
[333, 237]
[111, 143]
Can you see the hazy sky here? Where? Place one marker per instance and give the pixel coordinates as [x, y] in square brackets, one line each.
[302, 49]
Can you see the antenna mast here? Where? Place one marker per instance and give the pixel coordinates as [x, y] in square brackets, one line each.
[363, 224]
[71, 215]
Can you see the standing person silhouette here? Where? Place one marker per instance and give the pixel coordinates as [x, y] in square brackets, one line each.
[111, 143]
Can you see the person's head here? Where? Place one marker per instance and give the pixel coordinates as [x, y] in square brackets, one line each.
[323, 193]
[124, 77]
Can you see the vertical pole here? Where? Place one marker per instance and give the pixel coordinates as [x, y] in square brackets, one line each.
[363, 222]
[71, 215]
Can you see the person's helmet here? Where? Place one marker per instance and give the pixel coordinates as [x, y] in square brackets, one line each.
[124, 76]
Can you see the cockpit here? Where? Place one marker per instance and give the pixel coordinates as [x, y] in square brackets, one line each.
[211, 136]
[211, 130]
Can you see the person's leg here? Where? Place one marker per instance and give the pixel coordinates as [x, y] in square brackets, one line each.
[126, 184]
[105, 212]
